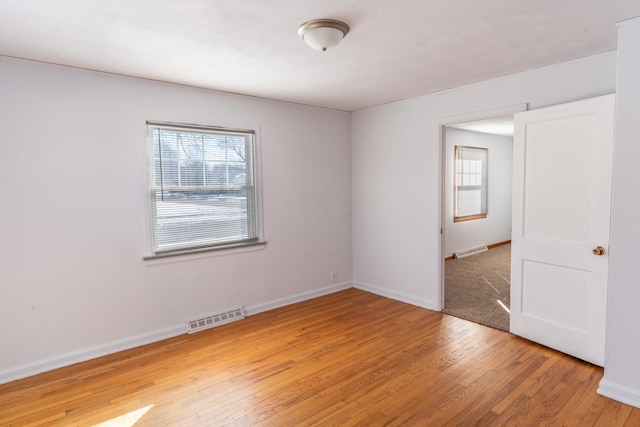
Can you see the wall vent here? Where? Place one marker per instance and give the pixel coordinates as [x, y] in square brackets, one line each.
[471, 251]
[216, 319]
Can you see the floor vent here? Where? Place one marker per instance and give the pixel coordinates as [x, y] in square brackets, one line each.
[470, 251]
[215, 320]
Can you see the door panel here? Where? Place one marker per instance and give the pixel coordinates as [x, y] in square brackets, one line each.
[545, 289]
[561, 203]
[548, 155]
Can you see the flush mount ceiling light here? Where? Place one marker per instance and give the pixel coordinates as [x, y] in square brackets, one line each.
[322, 34]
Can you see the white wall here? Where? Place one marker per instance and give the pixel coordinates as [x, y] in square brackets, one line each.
[74, 213]
[622, 352]
[396, 216]
[496, 227]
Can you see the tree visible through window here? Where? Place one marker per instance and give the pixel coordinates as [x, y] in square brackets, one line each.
[470, 188]
[202, 187]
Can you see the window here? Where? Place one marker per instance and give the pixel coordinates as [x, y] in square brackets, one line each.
[470, 188]
[202, 187]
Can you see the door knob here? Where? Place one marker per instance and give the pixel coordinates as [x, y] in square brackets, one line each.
[598, 250]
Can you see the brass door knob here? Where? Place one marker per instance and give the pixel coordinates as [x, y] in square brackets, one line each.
[598, 250]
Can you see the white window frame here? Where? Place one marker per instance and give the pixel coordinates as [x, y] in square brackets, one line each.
[250, 187]
[470, 175]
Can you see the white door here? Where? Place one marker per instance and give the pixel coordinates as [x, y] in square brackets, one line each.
[560, 236]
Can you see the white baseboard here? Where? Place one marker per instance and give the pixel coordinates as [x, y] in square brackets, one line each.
[419, 302]
[255, 309]
[67, 359]
[619, 392]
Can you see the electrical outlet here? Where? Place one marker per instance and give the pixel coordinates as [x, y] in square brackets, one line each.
[334, 277]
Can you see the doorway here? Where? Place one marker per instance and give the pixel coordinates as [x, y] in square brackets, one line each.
[477, 167]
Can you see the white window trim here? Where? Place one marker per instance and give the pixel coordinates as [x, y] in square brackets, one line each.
[484, 186]
[152, 258]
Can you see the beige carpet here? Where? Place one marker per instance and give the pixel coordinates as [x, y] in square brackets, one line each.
[475, 284]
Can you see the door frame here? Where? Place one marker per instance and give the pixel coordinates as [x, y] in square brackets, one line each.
[442, 123]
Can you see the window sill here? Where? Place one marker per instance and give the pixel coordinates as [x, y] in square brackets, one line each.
[204, 253]
[469, 218]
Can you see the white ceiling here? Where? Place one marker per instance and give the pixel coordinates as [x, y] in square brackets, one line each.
[395, 49]
[502, 126]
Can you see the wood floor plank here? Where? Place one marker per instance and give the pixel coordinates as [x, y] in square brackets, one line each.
[351, 358]
[633, 419]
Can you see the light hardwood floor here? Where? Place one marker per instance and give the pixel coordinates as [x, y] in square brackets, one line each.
[350, 358]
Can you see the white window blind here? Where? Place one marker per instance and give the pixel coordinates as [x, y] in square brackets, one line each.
[202, 187]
